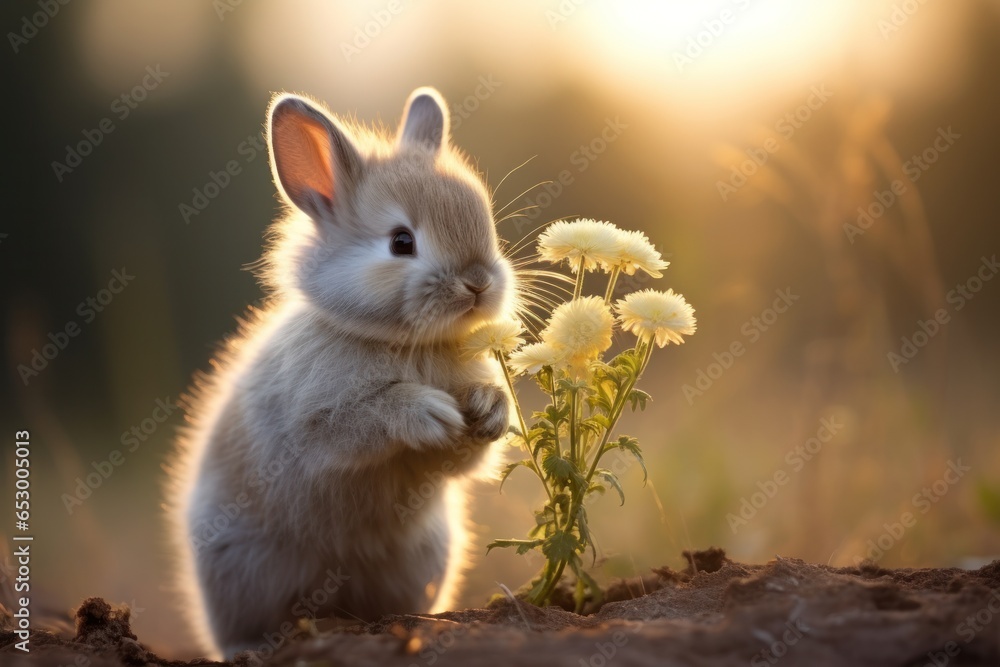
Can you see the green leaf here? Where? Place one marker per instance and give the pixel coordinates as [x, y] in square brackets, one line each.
[585, 535]
[544, 522]
[597, 424]
[511, 467]
[561, 546]
[562, 500]
[637, 397]
[516, 441]
[539, 431]
[627, 364]
[543, 444]
[557, 468]
[523, 546]
[612, 479]
[552, 416]
[611, 374]
[630, 444]
[544, 379]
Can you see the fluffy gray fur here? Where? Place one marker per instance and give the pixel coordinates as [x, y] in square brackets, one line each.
[335, 430]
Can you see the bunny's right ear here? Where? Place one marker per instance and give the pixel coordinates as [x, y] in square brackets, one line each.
[312, 159]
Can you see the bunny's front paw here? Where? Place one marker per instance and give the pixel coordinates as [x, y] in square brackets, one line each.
[435, 420]
[487, 412]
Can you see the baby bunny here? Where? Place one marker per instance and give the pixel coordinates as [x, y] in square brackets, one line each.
[322, 472]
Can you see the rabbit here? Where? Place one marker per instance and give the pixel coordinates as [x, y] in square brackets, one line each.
[327, 453]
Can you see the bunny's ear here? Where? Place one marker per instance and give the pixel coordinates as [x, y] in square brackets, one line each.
[313, 160]
[425, 120]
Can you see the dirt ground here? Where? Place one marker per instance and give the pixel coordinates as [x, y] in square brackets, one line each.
[716, 612]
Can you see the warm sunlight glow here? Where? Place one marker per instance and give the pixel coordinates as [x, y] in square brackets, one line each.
[722, 41]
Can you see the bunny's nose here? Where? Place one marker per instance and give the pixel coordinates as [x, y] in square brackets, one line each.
[478, 288]
[477, 279]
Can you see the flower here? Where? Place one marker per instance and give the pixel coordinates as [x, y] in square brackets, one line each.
[660, 316]
[531, 358]
[499, 336]
[595, 243]
[636, 252]
[581, 327]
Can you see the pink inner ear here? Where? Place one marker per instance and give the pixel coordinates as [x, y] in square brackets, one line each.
[303, 159]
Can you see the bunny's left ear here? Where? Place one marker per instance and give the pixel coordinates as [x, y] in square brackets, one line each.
[425, 120]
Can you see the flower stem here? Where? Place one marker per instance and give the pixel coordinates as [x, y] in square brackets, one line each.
[555, 404]
[644, 350]
[578, 289]
[520, 421]
[550, 585]
[611, 284]
[573, 430]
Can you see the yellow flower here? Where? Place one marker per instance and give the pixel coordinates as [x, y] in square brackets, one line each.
[531, 358]
[596, 243]
[660, 316]
[581, 327]
[499, 336]
[636, 252]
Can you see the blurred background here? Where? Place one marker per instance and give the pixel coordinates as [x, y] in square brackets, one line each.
[840, 152]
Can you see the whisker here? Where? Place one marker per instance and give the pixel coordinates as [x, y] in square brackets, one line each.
[524, 311]
[531, 301]
[560, 296]
[549, 299]
[527, 237]
[514, 214]
[497, 188]
[522, 263]
[536, 319]
[542, 273]
[554, 289]
[538, 286]
[536, 185]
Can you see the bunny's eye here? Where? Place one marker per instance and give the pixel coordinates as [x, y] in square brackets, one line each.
[402, 243]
